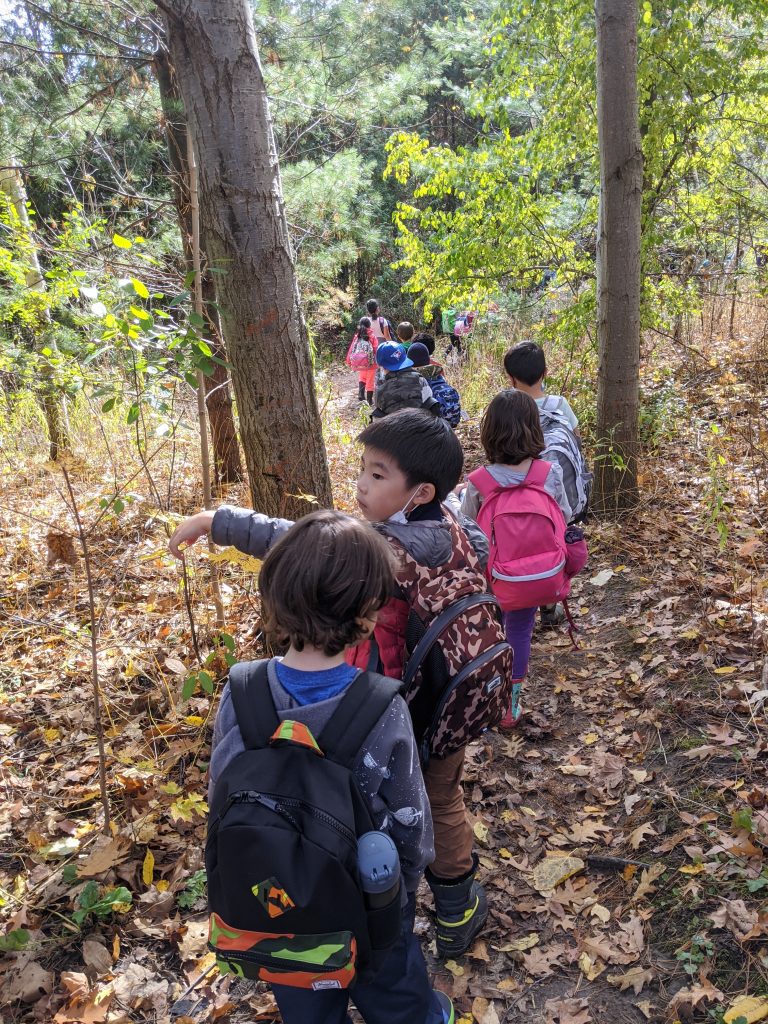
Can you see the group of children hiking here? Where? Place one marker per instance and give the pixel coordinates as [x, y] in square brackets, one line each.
[335, 774]
[396, 370]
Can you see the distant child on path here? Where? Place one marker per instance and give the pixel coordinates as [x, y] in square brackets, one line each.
[526, 367]
[510, 433]
[428, 341]
[405, 334]
[402, 387]
[380, 326]
[322, 587]
[448, 397]
[361, 356]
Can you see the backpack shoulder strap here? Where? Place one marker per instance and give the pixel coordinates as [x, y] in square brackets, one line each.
[537, 473]
[252, 700]
[483, 481]
[365, 701]
[439, 626]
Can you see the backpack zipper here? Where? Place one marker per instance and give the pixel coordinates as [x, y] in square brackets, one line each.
[284, 805]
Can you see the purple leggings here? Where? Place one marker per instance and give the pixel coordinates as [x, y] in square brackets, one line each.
[518, 626]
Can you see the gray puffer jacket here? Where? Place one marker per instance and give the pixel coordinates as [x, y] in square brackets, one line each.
[404, 389]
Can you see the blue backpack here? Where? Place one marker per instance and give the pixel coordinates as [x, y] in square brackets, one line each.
[448, 399]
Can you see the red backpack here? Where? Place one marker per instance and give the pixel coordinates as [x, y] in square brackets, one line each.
[526, 531]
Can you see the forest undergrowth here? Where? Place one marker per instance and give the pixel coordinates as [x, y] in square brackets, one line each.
[641, 756]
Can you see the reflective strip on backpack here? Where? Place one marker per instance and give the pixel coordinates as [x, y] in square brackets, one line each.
[533, 576]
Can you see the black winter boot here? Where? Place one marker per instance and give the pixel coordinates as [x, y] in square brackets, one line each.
[361, 391]
[369, 397]
[461, 908]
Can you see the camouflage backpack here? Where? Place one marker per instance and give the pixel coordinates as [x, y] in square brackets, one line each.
[458, 666]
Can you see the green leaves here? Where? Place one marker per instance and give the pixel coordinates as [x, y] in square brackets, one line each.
[194, 890]
[14, 941]
[218, 661]
[92, 901]
[121, 243]
[480, 222]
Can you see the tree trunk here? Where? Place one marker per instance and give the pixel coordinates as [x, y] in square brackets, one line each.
[51, 397]
[226, 451]
[213, 49]
[618, 254]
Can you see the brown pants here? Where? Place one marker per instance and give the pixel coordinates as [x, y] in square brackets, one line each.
[453, 834]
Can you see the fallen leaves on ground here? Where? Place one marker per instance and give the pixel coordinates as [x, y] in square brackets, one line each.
[637, 775]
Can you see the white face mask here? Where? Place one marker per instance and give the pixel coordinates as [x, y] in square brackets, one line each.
[401, 516]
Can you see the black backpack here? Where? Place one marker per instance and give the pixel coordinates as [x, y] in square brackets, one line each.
[284, 894]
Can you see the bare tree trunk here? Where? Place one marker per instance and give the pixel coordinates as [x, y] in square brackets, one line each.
[618, 254]
[51, 398]
[213, 49]
[226, 451]
[735, 275]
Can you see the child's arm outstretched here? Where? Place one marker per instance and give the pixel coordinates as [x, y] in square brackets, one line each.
[249, 532]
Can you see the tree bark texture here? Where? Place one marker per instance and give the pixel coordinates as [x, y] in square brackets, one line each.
[51, 398]
[213, 49]
[226, 450]
[618, 254]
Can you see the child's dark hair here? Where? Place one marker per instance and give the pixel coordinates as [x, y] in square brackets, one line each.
[372, 306]
[424, 447]
[510, 430]
[427, 340]
[364, 323]
[405, 331]
[526, 362]
[328, 572]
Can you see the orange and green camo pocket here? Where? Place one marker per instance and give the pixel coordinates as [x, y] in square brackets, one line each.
[299, 961]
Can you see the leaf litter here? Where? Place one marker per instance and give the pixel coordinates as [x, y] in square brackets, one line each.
[640, 763]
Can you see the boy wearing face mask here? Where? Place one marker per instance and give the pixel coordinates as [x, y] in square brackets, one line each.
[410, 463]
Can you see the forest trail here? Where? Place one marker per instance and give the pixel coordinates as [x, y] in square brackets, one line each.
[645, 745]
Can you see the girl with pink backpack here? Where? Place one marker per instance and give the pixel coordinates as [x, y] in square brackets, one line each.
[520, 504]
[361, 356]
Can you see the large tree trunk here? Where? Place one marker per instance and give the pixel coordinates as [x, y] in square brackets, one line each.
[226, 451]
[213, 49]
[618, 254]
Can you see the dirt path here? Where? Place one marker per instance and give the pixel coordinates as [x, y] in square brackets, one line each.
[624, 759]
[643, 754]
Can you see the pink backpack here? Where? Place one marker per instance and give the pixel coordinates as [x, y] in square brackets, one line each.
[361, 354]
[526, 531]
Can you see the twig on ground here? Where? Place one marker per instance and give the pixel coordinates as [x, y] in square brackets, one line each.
[94, 623]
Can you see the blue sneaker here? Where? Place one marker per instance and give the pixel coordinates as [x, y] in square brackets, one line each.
[446, 1006]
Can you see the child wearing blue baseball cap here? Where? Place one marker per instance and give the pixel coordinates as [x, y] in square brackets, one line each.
[403, 386]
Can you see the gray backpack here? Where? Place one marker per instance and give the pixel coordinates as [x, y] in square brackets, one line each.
[564, 448]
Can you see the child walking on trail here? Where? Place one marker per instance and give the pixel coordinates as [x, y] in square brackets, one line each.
[447, 397]
[361, 356]
[403, 387]
[410, 463]
[526, 367]
[405, 333]
[322, 588]
[380, 326]
[510, 433]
